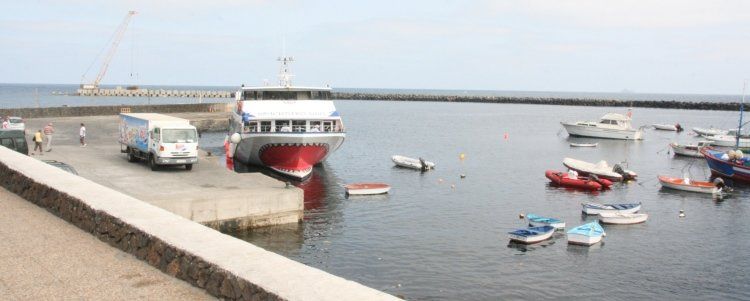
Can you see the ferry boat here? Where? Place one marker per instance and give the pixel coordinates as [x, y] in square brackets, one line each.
[286, 128]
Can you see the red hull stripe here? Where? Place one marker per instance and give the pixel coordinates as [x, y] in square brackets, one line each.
[292, 157]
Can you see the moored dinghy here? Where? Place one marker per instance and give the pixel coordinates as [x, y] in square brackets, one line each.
[586, 234]
[594, 208]
[532, 234]
[539, 221]
[618, 218]
[419, 164]
[367, 188]
[583, 144]
[667, 127]
[690, 150]
[565, 180]
[601, 169]
[686, 184]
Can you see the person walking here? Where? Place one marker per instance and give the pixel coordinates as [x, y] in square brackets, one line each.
[38, 138]
[6, 123]
[48, 131]
[82, 134]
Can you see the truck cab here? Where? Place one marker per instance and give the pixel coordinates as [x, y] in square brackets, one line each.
[174, 145]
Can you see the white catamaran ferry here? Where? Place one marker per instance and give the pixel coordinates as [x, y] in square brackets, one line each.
[286, 128]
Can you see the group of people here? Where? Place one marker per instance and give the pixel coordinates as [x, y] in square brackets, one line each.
[46, 134]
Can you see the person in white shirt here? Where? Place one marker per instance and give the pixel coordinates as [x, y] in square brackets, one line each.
[315, 129]
[82, 135]
[6, 123]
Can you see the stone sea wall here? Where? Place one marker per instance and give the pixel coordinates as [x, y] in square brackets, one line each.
[114, 110]
[667, 104]
[224, 266]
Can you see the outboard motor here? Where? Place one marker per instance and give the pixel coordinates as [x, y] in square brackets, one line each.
[625, 174]
[423, 166]
[719, 183]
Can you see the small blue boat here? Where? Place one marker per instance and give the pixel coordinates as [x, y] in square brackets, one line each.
[538, 221]
[586, 234]
[532, 234]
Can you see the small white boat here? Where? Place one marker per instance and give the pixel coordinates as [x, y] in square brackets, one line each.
[584, 144]
[611, 126]
[688, 185]
[532, 234]
[729, 140]
[709, 132]
[619, 218]
[412, 163]
[539, 221]
[690, 150]
[601, 169]
[665, 127]
[586, 234]
[594, 208]
[367, 188]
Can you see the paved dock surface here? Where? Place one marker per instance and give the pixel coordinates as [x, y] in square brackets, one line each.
[42, 257]
[210, 194]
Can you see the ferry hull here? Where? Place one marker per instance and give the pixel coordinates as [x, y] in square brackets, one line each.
[291, 154]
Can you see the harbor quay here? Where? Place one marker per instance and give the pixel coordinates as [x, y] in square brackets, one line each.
[209, 194]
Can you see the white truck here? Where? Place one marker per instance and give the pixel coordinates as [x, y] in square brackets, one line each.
[158, 139]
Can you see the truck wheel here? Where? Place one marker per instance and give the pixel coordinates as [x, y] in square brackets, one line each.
[152, 163]
[188, 166]
[132, 157]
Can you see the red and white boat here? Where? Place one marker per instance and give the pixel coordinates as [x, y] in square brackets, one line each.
[562, 179]
[286, 128]
[367, 188]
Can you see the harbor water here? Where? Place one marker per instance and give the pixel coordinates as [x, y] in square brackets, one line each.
[436, 236]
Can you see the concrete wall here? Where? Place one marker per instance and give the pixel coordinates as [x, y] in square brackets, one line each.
[225, 266]
[114, 110]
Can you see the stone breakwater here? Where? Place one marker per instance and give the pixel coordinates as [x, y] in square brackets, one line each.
[115, 110]
[224, 266]
[662, 104]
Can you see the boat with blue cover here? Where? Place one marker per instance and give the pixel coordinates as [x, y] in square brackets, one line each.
[586, 234]
[532, 234]
[539, 221]
[594, 208]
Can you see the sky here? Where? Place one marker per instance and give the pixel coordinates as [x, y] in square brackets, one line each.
[667, 46]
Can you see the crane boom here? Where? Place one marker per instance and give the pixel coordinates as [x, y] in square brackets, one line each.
[117, 37]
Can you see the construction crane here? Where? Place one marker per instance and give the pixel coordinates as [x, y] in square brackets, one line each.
[116, 38]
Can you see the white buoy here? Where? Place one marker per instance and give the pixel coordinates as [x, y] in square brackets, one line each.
[453, 186]
[235, 138]
[682, 213]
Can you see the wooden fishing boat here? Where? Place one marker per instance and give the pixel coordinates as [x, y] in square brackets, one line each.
[722, 166]
[619, 218]
[594, 208]
[562, 179]
[532, 234]
[689, 185]
[406, 162]
[690, 150]
[367, 188]
[583, 144]
[601, 169]
[586, 234]
[538, 221]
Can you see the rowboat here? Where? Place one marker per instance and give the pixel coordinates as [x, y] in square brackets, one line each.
[690, 150]
[687, 185]
[412, 163]
[594, 208]
[538, 221]
[667, 127]
[367, 188]
[601, 169]
[532, 234]
[586, 234]
[562, 179]
[583, 144]
[618, 218]
[709, 131]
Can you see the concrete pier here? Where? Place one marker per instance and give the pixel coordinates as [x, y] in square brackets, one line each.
[119, 91]
[209, 194]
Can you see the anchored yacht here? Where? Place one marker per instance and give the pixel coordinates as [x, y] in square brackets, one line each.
[611, 126]
[286, 128]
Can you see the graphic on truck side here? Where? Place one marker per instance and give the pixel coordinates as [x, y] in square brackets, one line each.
[134, 132]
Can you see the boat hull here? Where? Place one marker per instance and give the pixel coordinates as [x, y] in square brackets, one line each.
[585, 169]
[411, 163]
[728, 141]
[726, 169]
[665, 127]
[598, 132]
[686, 150]
[583, 240]
[531, 235]
[622, 219]
[291, 154]
[561, 179]
[559, 225]
[597, 211]
[367, 188]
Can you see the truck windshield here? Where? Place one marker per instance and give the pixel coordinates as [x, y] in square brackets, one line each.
[179, 136]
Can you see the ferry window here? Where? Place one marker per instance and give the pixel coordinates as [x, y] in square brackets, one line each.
[328, 126]
[265, 126]
[251, 126]
[314, 95]
[325, 95]
[303, 95]
[248, 95]
[283, 126]
[299, 125]
[272, 95]
[316, 126]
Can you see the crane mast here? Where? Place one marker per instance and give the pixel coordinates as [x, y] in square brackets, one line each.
[117, 37]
